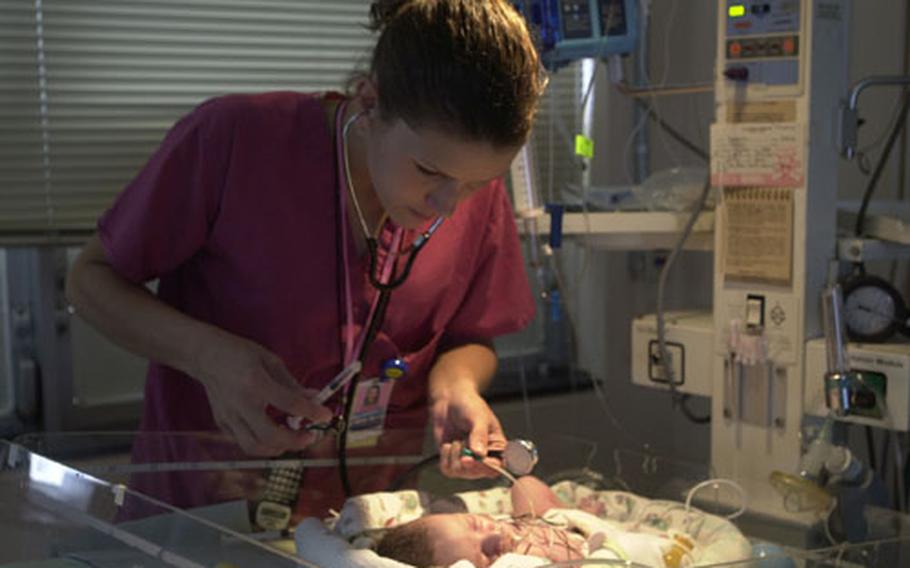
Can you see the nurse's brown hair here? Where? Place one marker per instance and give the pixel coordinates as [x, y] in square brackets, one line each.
[463, 65]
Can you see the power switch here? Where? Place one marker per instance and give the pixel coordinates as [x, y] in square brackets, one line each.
[737, 73]
[755, 311]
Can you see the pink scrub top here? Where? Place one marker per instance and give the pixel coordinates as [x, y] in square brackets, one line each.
[236, 214]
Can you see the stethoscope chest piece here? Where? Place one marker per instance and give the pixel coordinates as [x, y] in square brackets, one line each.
[520, 456]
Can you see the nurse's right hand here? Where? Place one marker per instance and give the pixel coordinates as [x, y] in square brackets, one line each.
[242, 378]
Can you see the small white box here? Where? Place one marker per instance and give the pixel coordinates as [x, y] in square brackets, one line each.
[690, 342]
[889, 359]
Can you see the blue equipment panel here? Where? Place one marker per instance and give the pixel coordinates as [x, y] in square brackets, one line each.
[763, 41]
[568, 30]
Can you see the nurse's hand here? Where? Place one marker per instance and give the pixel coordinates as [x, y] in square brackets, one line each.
[242, 379]
[463, 415]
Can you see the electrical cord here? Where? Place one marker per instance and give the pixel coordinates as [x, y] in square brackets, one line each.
[900, 487]
[863, 151]
[650, 91]
[687, 412]
[880, 165]
[675, 134]
[714, 484]
[398, 482]
[870, 448]
[661, 292]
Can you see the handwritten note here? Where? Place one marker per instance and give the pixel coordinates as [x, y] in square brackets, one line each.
[758, 155]
[758, 235]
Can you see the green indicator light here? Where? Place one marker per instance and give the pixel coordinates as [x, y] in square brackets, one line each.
[737, 11]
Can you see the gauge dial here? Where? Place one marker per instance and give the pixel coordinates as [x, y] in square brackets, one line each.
[873, 310]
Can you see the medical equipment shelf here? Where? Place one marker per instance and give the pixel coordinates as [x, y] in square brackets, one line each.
[886, 229]
[632, 230]
[860, 250]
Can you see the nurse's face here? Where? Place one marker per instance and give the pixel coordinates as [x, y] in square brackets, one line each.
[419, 174]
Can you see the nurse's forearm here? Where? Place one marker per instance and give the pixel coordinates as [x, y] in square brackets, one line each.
[130, 316]
[469, 366]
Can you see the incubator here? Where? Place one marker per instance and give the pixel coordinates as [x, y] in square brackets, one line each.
[69, 500]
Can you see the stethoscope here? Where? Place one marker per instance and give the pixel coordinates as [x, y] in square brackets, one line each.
[519, 456]
[384, 280]
[372, 244]
[275, 508]
[393, 368]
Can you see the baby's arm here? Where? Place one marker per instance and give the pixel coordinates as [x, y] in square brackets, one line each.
[531, 496]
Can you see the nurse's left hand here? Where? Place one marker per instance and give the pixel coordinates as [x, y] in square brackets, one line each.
[460, 416]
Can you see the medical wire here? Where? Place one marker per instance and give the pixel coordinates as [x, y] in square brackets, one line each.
[564, 292]
[667, 90]
[565, 297]
[662, 285]
[880, 165]
[594, 562]
[880, 137]
[671, 18]
[715, 483]
[882, 407]
[651, 92]
[526, 402]
[627, 147]
[502, 471]
[673, 133]
[642, 121]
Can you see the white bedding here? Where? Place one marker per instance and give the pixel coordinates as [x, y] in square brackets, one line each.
[625, 526]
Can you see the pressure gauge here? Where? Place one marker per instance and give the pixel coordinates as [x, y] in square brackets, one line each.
[873, 310]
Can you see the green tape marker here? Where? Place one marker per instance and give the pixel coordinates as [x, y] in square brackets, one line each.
[584, 146]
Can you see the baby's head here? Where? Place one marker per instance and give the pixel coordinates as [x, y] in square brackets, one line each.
[442, 540]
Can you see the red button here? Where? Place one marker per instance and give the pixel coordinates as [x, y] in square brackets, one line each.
[735, 49]
[789, 46]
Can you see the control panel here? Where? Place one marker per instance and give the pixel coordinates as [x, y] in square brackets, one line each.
[763, 41]
[568, 30]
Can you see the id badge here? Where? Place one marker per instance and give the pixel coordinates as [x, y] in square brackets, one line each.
[371, 402]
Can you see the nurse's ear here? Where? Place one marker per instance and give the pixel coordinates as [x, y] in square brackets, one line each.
[368, 96]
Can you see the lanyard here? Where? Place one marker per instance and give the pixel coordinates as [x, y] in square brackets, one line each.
[353, 347]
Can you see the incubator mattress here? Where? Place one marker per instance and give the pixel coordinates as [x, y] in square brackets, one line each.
[635, 526]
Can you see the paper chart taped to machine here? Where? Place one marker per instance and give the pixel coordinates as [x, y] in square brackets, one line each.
[757, 235]
[758, 155]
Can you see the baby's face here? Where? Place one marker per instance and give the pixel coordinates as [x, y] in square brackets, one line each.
[482, 540]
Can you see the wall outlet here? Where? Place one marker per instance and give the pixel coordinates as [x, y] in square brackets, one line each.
[677, 354]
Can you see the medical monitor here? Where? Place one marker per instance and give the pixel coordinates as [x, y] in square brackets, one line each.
[568, 30]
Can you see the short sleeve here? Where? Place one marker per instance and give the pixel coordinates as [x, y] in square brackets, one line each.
[164, 216]
[499, 298]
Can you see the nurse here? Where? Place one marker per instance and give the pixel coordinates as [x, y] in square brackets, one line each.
[254, 216]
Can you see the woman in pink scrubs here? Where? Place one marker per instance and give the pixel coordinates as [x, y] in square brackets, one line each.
[246, 216]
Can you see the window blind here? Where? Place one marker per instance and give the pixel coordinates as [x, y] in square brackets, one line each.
[88, 88]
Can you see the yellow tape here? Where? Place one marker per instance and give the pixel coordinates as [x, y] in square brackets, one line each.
[584, 146]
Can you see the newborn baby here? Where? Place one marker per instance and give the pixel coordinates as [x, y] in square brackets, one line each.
[443, 539]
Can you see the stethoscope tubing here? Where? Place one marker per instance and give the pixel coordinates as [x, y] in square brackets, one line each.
[416, 246]
[378, 316]
[385, 291]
